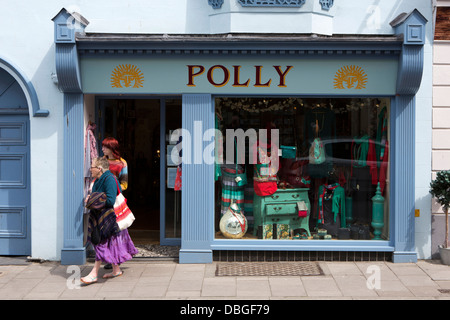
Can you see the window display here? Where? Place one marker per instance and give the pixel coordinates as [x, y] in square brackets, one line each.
[302, 168]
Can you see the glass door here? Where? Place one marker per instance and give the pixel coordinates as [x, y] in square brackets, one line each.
[170, 229]
[142, 127]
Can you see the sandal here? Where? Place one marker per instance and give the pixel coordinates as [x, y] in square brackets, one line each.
[112, 275]
[93, 280]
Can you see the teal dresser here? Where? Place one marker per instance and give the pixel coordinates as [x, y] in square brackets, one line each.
[281, 208]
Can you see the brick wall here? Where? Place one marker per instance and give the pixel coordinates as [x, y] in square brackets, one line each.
[442, 29]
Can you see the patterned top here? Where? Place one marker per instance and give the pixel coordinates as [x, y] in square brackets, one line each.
[119, 168]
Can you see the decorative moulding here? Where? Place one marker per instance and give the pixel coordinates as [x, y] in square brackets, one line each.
[411, 28]
[67, 67]
[66, 24]
[326, 4]
[216, 4]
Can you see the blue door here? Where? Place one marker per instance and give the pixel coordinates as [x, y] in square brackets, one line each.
[15, 222]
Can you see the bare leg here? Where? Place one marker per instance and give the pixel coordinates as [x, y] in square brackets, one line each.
[115, 272]
[116, 269]
[92, 276]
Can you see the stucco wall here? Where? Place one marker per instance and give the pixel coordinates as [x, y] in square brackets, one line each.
[441, 130]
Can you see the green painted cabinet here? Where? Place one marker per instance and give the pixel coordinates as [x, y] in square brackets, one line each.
[281, 208]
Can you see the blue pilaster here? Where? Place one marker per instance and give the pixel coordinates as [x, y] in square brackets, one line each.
[73, 251]
[69, 82]
[403, 173]
[197, 195]
[412, 29]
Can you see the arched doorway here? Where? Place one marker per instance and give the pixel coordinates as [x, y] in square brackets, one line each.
[15, 194]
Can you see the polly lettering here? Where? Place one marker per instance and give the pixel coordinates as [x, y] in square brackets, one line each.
[219, 76]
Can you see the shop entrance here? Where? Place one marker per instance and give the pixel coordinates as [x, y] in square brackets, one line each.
[142, 127]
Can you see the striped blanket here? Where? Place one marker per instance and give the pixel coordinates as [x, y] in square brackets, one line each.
[101, 216]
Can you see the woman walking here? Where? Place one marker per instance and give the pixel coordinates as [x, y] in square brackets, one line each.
[112, 245]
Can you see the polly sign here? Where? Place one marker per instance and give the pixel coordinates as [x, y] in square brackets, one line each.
[220, 75]
[243, 76]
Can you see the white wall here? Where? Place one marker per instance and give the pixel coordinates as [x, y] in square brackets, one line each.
[424, 99]
[26, 40]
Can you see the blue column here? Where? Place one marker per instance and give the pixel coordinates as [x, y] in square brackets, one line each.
[197, 196]
[69, 82]
[73, 251]
[411, 28]
[403, 193]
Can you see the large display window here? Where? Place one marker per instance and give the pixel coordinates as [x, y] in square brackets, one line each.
[302, 168]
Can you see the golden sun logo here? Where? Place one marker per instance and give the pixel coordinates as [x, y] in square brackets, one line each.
[350, 77]
[127, 75]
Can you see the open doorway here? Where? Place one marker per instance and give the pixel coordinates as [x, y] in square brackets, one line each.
[142, 128]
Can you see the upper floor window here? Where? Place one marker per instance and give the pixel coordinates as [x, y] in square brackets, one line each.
[326, 4]
[272, 3]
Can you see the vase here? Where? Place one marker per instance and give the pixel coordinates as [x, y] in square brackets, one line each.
[348, 210]
[233, 223]
[377, 214]
[445, 255]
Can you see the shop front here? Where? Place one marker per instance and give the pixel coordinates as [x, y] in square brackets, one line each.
[288, 143]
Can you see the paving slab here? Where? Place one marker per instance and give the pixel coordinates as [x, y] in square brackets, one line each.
[321, 286]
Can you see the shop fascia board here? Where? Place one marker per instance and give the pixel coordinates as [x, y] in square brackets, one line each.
[125, 44]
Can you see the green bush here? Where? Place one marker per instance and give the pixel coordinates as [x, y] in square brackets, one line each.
[440, 190]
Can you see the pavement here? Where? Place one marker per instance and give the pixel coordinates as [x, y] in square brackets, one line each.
[168, 280]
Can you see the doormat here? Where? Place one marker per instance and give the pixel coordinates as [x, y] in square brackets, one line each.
[157, 251]
[268, 269]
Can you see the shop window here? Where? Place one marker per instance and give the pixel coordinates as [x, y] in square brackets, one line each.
[302, 168]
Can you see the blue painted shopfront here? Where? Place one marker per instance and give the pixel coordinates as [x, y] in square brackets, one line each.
[199, 71]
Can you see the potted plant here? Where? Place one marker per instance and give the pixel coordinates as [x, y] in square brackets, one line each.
[440, 190]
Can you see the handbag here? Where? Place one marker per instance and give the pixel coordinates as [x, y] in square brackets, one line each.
[177, 186]
[302, 209]
[235, 173]
[295, 174]
[316, 152]
[264, 175]
[264, 185]
[288, 152]
[124, 216]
